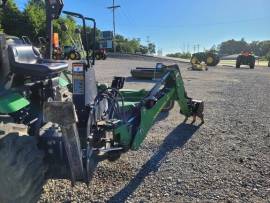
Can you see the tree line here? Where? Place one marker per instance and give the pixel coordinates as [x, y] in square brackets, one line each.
[31, 22]
[230, 47]
[183, 55]
[259, 48]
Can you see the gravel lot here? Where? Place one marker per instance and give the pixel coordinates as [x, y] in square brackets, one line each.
[225, 160]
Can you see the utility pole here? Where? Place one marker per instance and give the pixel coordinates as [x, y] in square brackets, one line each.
[194, 48]
[198, 47]
[148, 42]
[113, 8]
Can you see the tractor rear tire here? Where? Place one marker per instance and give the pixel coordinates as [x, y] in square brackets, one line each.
[194, 60]
[22, 170]
[210, 60]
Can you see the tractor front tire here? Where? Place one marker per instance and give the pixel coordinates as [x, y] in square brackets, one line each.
[194, 60]
[78, 56]
[98, 57]
[22, 170]
[252, 65]
[238, 63]
[72, 56]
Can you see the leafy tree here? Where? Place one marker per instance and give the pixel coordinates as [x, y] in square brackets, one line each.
[125, 45]
[143, 49]
[254, 47]
[183, 55]
[259, 48]
[12, 20]
[233, 47]
[66, 36]
[264, 48]
[36, 19]
[268, 56]
[152, 48]
[32, 23]
[213, 48]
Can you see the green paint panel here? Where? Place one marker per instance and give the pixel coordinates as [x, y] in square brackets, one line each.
[12, 102]
[181, 94]
[122, 135]
[148, 117]
[175, 91]
[133, 95]
[63, 82]
[127, 105]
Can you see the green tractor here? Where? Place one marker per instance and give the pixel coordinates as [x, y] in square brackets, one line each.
[246, 58]
[101, 54]
[210, 58]
[59, 126]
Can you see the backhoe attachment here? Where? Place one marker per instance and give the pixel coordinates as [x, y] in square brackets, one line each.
[169, 88]
[116, 121]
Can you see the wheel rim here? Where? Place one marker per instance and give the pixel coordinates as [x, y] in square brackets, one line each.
[194, 60]
[210, 60]
[72, 56]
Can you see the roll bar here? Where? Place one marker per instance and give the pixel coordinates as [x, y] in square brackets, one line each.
[84, 19]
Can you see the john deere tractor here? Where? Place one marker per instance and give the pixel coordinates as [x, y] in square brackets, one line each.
[246, 58]
[210, 58]
[51, 127]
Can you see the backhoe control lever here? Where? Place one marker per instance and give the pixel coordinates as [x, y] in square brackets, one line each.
[118, 82]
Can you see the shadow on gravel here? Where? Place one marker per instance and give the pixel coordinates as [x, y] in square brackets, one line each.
[176, 139]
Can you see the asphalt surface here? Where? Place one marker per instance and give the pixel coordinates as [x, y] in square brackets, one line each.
[225, 160]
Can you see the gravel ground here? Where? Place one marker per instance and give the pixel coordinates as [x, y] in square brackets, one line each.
[225, 160]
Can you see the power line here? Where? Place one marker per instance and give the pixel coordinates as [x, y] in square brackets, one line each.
[113, 8]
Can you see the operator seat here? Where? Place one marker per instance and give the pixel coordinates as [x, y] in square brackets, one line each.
[24, 61]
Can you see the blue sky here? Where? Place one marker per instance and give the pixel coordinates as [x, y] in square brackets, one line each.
[177, 25]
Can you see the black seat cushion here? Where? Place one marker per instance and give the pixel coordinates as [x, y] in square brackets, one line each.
[23, 60]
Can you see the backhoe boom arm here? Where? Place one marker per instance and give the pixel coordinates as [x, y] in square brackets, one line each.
[168, 89]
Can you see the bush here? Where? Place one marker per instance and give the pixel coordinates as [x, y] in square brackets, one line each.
[184, 55]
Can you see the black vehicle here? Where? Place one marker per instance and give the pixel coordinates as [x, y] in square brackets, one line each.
[210, 58]
[70, 52]
[101, 54]
[246, 58]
